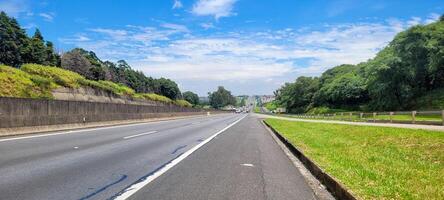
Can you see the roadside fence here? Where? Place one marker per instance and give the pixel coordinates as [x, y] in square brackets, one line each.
[407, 117]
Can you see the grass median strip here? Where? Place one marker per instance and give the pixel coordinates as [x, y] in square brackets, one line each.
[373, 162]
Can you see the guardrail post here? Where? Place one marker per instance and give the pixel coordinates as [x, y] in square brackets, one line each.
[351, 116]
[334, 116]
[342, 116]
[413, 117]
[374, 117]
[361, 115]
[391, 117]
[442, 115]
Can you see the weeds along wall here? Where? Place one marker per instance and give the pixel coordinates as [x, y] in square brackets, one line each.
[20, 112]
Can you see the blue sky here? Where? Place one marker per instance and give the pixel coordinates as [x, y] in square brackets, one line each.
[249, 46]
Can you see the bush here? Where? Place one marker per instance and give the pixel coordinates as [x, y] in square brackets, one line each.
[16, 83]
[59, 76]
[155, 97]
[117, 89]
[271, 106]
[324, 110]
[183, 103]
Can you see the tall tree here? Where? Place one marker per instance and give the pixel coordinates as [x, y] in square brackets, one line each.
[191, 97]
[13, 40]
[221, 98]
[53, 59]
[76, 62]
[168, 88]
[35, 52]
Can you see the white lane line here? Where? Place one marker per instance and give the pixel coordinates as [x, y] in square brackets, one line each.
[247, 165]
[142, 134]
[136, 187]
[88, 129]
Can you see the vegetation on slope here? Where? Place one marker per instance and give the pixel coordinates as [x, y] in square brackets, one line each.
[38, 81]
[16, 83]
[374, 162]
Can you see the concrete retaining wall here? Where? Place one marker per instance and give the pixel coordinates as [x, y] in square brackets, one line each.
[18, 112]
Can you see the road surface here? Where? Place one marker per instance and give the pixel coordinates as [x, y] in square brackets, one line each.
[241, 162]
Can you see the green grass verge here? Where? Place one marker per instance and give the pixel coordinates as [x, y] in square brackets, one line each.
[374, 162]
[368, 117]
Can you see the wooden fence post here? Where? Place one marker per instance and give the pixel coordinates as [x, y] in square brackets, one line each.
[342, 116]
[361, 115]
[413, 117]
[391, 117]
[442, 115]
[374, 117]
[351, 116]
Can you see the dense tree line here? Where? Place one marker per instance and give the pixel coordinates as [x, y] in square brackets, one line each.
[408, 69]
[16, 48]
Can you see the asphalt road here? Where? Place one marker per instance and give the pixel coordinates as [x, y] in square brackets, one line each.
[242, 162]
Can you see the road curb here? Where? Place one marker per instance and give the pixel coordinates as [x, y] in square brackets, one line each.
[338, 190]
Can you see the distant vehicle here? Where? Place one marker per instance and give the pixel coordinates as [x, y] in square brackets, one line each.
[238, 111]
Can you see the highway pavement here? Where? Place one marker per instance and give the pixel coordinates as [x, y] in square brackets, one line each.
[226, 156]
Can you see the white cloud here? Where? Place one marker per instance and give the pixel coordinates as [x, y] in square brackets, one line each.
[432, 18]
[176, 27]
[216, 8]
[77, 38]
[14, 7]
[49, 17]
[276, 56]
[177, 4]
[207, 25]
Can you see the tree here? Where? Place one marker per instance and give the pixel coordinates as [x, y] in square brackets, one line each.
[13, 40]
[191, 97]
[76, 62]
[221, 98]
[297, 97]
[36, 51]
[168, 88]
[53, 59]
[341, 87]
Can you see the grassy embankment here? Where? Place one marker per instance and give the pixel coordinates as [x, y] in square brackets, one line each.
[37, 81]
[373, 162]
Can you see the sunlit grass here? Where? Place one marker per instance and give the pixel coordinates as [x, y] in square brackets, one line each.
[374, 162]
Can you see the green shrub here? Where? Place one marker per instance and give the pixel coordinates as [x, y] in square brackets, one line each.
[155, 97]
[60, 76]
[16, 83]
[183, 103]
[117, 88]
[271, 105]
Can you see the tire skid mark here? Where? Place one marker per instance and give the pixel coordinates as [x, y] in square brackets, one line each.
[124, 176]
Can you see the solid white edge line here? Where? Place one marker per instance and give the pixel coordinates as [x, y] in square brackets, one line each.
[141, 134]
[89, 129]
[136, 187]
